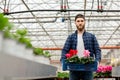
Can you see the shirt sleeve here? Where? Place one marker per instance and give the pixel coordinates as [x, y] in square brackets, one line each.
[66, 47]
[97, 50]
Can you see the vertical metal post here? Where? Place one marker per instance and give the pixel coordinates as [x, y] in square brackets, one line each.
[61, 5]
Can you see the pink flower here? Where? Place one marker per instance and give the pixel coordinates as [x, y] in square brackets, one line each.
[68, 55]
[86, 53]
[104, 69]
[100, 69]
[108, 68]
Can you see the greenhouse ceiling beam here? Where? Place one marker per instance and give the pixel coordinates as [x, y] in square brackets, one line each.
[102, 47]
[55, 29]
[64, 38]
[53, 21]
[98, 28]
[62, 35]
[52, 30]
[64, 16]
[39, 22]
[66, 33]
[50, 10]
[46, 40]
[60, 46]
[102, 39]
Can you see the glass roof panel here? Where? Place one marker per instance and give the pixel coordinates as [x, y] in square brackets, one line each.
[48, 26]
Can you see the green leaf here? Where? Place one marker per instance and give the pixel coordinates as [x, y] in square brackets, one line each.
[38, 51]
[3, 22]
[82, 60]
[21, 32]
[47, 54]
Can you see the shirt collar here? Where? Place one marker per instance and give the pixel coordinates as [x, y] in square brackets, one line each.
[83, 32]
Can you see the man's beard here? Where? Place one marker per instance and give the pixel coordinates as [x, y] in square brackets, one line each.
[81, 28]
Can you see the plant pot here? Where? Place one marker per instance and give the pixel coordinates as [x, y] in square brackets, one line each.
[1, 40]
[79, 67]
[62, 78]
[65, 78]
[41, 59]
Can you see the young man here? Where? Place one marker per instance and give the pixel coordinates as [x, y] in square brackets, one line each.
[80, 41]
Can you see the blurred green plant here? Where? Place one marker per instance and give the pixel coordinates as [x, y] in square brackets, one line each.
[63, 75]
[39, 51]
[20, 35]
[3, 22]
[5, 26]
[47, 54]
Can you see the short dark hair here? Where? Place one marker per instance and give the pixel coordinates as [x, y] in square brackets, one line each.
[79, 16]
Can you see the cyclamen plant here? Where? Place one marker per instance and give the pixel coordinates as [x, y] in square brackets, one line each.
[72, 57]
[103, 71]
[104, 68]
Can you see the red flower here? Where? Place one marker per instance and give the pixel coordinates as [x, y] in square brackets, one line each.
[71, 53]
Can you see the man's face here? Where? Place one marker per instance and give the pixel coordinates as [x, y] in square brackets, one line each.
[80, 24]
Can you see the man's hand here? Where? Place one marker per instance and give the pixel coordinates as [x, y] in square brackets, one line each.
[98, 63]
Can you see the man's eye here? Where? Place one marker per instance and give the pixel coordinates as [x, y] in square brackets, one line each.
[81, 20]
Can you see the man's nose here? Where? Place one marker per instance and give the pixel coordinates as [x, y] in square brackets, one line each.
[80, 22]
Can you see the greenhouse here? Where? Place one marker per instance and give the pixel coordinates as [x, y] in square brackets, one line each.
[40, 29]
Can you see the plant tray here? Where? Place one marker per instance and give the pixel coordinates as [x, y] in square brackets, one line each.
[79, 67]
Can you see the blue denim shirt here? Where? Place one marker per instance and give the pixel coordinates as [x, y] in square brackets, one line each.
[90, 43]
